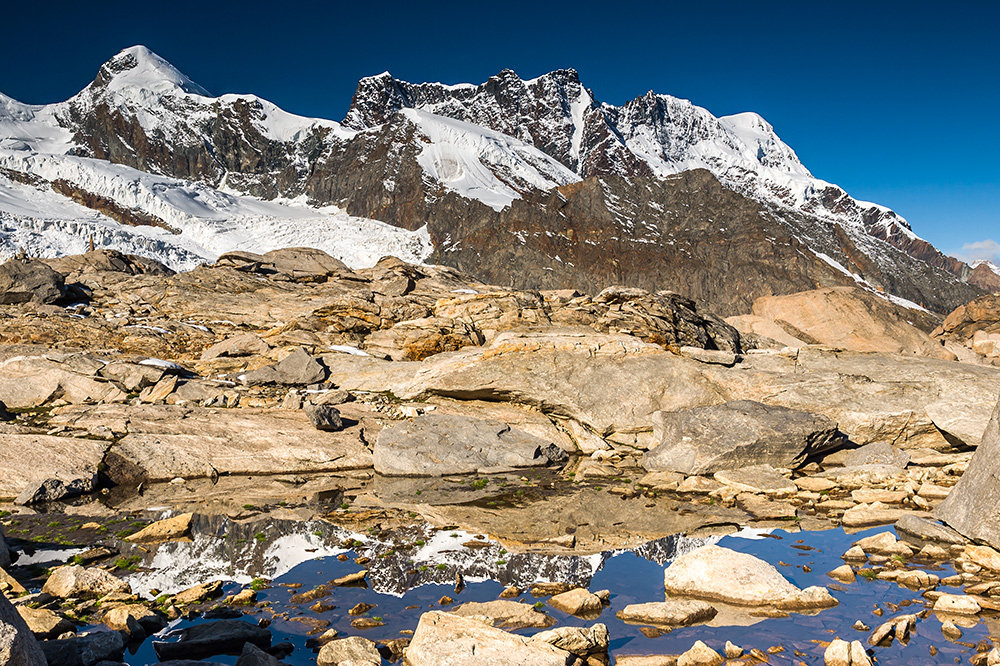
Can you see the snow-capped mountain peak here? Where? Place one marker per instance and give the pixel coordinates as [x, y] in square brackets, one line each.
[138, 67]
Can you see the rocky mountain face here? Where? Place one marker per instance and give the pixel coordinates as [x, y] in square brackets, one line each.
[534, 184]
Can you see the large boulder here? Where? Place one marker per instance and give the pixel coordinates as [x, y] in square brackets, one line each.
[713, 572]
[353, 650]
[445, 639]
[441, 444]
[85, 650]
[211, 638]
[29, 280]
[32, 381]
[45, 623]
[30, 462]
[970, 507]
[846, 318]
[505, 614]
[79, 582]
[736, 434]
[296, 369]
[17, 644]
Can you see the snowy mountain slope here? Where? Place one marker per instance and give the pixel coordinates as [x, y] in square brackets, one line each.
[199, 222]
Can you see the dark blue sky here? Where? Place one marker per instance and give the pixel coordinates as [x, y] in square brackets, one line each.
[896, 102]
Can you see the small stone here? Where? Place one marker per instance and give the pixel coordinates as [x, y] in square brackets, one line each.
[950, 631]
[577, 602]
[854, 554]
[510, 592]
[733, 651]
[700, 655]
[860, 626]
[844, 573]
[361, 609]
[324, 417]
[446, 601]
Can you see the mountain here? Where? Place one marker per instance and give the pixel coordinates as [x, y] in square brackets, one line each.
[533, 183]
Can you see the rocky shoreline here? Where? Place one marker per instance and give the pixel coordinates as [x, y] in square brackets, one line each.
[144, 407]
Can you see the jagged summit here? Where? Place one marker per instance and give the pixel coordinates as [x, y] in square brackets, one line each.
[139, 67]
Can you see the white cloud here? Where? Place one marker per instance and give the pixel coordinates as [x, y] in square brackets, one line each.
[987, 249]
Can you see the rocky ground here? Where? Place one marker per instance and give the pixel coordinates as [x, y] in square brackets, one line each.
[289, 387]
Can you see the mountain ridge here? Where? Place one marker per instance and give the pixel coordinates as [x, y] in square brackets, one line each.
[466, 161]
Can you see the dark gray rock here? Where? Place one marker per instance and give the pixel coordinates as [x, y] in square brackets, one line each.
[877, 453]
[324, 417]
[254, 656]
[736, 434]
[86, 650]
[17, 644]
[5, 414]
[29, 280]
[970, 507]
[296, 369]
[4, 552]
[924, 529]
[440, 444]
[50, 490]
[211, 638]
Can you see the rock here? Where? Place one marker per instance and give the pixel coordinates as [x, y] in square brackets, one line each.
[957, 603]
[714, 356]
[245, 344]
[197, 593]
[764, 509]
[882, 543]
[984, 556]
[118, 618]
[8, 584]
[870, 495]
[32, 381]
[646, 660]
[970, 507]
[846, 318]
[82, 583]
[354, 650]
[85, 650]
[446, 639]
[254, 656]
[211, 638]
[855, 554]
[296, 369]
[506, 614]
[842, 653]
[698, 484]
[898, 627]
[132, 377]
[324, 417]
[673, 612]
[244, 597]
[33, 463]
[844, 574]
[756, 479]
[932, 491]
[662, 481]
[577, 601]
[442, 444]
[700, 655]
[814, 484]
[29, 280]
[712, 572]
[577, 640]
[17, 644]
[733, 651]
[51, 490]
[736, 434]
[351, 579]
[869, 515]
[43, 623]
[950, 631]
[878, 453]
[926, 529]
[170, 529]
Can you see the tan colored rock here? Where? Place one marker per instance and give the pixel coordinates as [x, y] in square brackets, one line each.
[756, 479]
[957, 603]
[27, 459]
[197, 593]
[698, 484]
[869, 495]
[577, 601]
[17, 644]
[446, 639]
[170, 529]
[712, 572]
[844, 574]
[245, 344]
[351, 651]
[645, 660]
[580, 641]
[79, 582]
[700, 655]
[984, 556]
[673, 612]
[31, 381]
[868, 515]
[506, 614]
[44, 623]
[814, 483]
[932, 491]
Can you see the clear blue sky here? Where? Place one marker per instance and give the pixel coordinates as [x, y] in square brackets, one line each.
[896, 102]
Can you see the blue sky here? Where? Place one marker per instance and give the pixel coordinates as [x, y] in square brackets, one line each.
[896, 102]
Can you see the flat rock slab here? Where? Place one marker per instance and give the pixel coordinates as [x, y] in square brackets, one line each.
[736, 434]
[441, 444]
[713, 572]
[354, 649]
[926, 529]
[673, 612]
[30, 459]
[88, 649]
[168, 441]
[756, 479]
[577, 601]
[877, 453]
[31, 381]
[506, 614]
[446, 639]
[80, 582]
